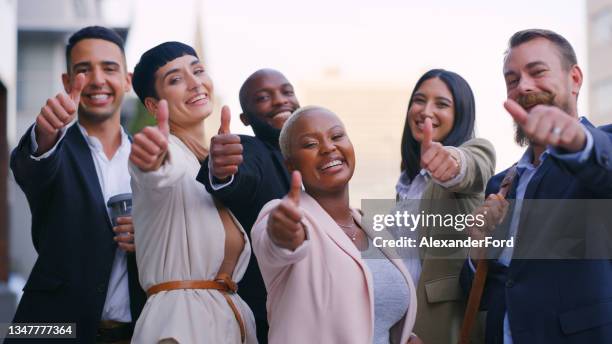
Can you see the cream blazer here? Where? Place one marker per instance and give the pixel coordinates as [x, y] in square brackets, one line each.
[323, 291]
[179, 237]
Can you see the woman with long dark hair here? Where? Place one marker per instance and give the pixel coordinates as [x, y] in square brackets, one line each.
[446, 168]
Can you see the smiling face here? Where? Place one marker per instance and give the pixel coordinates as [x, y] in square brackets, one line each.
[432, 100]
[322, 151]
[106, 79]
[535, 69]
[184, 83]
[270, 97]
[535, 74]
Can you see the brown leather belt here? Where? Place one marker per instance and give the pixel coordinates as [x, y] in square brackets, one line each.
[222, 282]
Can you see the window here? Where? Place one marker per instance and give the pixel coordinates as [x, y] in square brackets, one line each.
[603, 97]
[602, 27]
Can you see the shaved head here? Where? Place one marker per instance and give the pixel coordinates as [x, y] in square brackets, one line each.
[247, 87]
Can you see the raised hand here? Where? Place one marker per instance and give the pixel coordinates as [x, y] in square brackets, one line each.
[285, 223]
[225, 149]
[150, 145]
[548, 125]
[442, 162]
[56, 114]
[493, 211]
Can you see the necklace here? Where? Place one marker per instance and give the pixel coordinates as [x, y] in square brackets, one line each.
[352, 235]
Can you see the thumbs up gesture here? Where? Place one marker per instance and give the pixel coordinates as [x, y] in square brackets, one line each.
[492, 213]
[150, 145]
[225, 149]
[285, 222]
[443, 163]
[548, 125]
[56, 114]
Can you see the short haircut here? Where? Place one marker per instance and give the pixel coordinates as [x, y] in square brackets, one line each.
[242, 93]
[94, 32]
[568, 56]
[463, 125]
[284, 139]
[143, 80]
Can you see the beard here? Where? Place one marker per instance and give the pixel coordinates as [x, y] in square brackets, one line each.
[527, 102]
[519, 136]
[263, 130]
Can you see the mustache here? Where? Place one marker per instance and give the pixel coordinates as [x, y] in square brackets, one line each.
[532, 99]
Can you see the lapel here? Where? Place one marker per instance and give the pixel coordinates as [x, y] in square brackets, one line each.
[327, 225]
[86, 169]
[531, 193]
[536, 180]
[331, 228]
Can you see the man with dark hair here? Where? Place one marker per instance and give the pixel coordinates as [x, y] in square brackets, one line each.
[543, 290]
[69, 163]
[246, 172]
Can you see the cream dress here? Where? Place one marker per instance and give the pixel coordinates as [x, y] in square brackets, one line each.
[179, 236]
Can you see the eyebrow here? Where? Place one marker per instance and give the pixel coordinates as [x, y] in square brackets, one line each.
[88, 64]
[419, 94]
[267, 89]
[314, 134]
[194, 62]
[530, 65]
[535, 64]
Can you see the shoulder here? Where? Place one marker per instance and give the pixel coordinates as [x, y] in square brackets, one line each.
[479, 144]
[250, 140]
[252, 144]
[495, 182]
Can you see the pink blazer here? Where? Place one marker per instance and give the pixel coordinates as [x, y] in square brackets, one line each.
[322, 292]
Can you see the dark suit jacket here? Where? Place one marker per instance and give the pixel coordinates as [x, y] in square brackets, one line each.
[72, 235]
[261, 177]
[554, 300]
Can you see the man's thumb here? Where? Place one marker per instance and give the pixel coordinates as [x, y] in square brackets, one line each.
[77, 87]
[162, 117]
[226, 116]
[516, 111]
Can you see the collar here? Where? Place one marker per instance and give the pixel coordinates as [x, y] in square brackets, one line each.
[95, 143]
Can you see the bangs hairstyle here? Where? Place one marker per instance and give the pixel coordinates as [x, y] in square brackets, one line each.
[143, 80]
[568, 55]
[284, 139]
[463, 125]
[94, 32]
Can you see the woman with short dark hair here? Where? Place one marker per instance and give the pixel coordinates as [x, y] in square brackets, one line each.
[191, 251]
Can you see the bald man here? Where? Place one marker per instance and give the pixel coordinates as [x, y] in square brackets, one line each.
[245, 172]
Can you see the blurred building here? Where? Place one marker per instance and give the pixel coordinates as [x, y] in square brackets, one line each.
[42, 28]
[373, 113]
[8, 61]
[599, 33]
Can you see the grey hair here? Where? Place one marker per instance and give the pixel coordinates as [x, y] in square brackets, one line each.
[284, 139]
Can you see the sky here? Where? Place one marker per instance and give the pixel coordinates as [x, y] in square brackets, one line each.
[390, 41]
